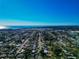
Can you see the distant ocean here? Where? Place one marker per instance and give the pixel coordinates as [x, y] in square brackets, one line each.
[53, 27]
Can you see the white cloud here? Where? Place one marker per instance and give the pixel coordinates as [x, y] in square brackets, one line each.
[3, 27]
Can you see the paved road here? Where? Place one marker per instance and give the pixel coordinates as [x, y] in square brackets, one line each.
[24, 43]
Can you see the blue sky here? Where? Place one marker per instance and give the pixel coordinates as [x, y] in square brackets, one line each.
[39, 12]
